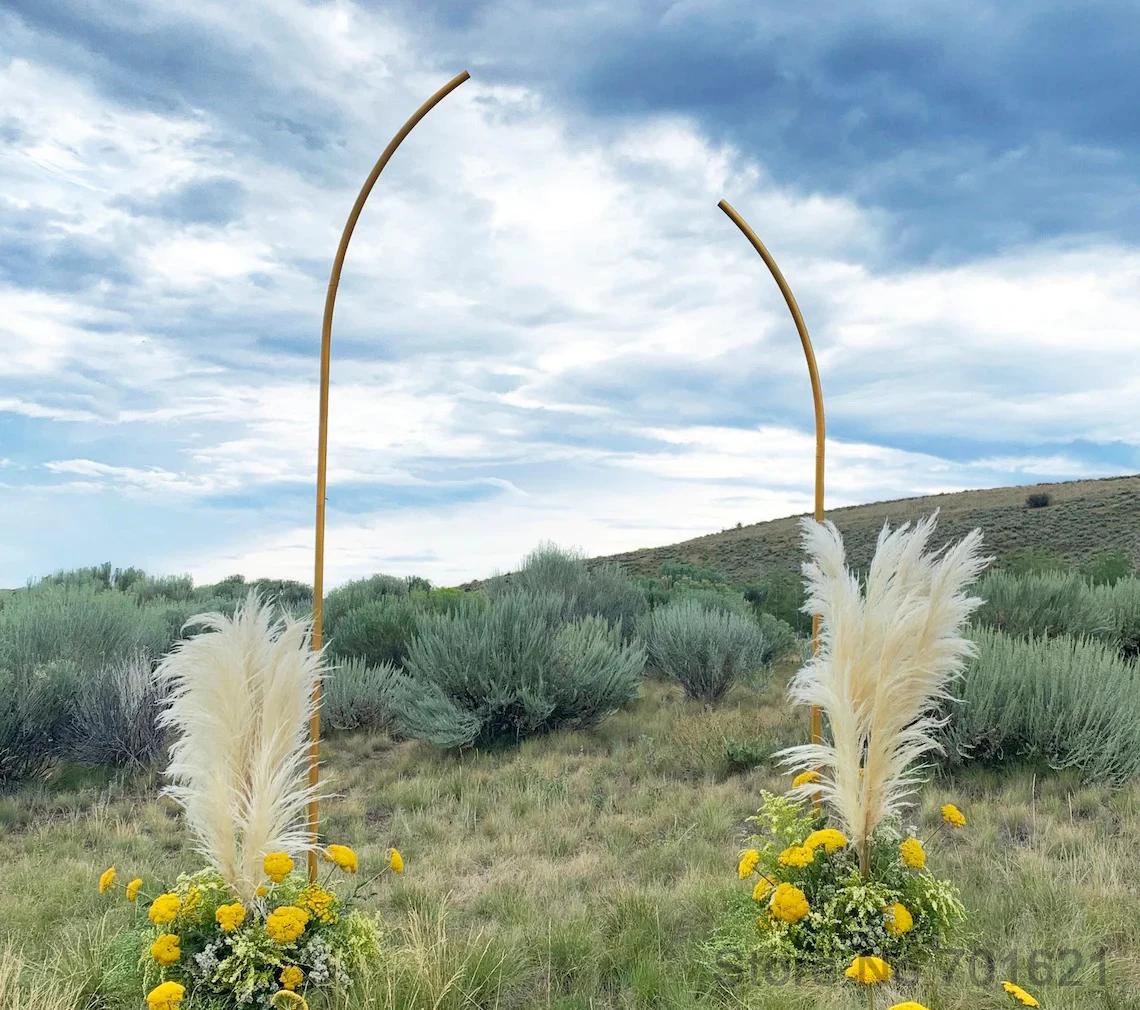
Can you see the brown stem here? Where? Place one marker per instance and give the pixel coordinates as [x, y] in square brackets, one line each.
[865, 858]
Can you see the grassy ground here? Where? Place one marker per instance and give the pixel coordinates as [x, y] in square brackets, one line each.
[585, 870]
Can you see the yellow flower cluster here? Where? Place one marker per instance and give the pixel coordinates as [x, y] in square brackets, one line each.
[789, 904]
[166, 996]
[747, 864]
[230, 917]
[804, 778]
[319, 902]
[829, 838]
[286, 923]
[343, 856]
[912, 853]
[763, 886]
[164, 908]
[908, 1005]
[106, 879]
[291, 977]
[868, 970]
[165, 950]
[953, 816]
[898, 919]
[796, 856]
[133, 888]
[395, 861]
[277, 866]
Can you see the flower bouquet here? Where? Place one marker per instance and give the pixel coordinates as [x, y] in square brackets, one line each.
[248, 931]
[842, 877]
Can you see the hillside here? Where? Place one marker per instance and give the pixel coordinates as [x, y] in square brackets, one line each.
[1083, 518]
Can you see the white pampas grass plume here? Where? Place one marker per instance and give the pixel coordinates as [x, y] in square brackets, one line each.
[883, 666]
[240, 698]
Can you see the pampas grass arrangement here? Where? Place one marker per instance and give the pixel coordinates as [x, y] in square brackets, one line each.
[240, 700]
[248, 930]
[885, 660]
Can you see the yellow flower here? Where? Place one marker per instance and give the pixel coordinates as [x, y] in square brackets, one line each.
[763, 886]
[288, 998]
[277, 866]
[395, 861]
[261, 891]
[911, 853]
[748, 864]
[343, 856]
[106, 879]
[229, 917]
[166, 996]
[909, 1005]
[133, 888]
[164, 908]
[868, 970]
[829, 838]
[286, 923]
[899, 919]
[789, 903]
[804, 778]
[1019, 994]
[796, 856]
[165, 949]
[953, 816]
[193, 897]
[319, 902]
[291, 977]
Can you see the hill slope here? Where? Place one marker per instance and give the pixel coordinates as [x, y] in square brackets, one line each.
[1083, 518]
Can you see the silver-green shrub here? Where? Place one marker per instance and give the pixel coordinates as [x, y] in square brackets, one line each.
[1046, 604]
[1119, 607]
[706, 650]
[494, 674]
[36, 708]
[357, 696]
[116, 712]
[1063, 702]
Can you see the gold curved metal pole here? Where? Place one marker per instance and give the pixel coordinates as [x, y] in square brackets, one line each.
[817, 397]
[323, 437]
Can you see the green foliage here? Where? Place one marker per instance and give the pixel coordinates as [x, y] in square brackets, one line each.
[706, 650]
[479, 676]
[355, 594]
[721, 599]
[780, 594]
[378, 632]
[679, 570]
[356, 696]
[1045, 604]
[743, 755]
[1108, 568]
[1031, 561]
[1061, 702]
[780, 640]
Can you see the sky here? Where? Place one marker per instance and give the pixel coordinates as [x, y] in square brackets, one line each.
[546, 330]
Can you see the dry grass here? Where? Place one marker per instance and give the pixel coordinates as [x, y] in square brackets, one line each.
[586, 870]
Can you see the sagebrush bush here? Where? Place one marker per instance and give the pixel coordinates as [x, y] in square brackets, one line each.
[355, 594]
[780, 639]
[1063, 702]
[487, 675]
[116, 708]
[1108, 568]
[723, 600]
[605, 592]
[1047, 604]
[706, 650]
[1118, 603]
[1036, 500]
[36, 709]
[378, 632]
[356, 696]
[781, 594]
[79, 625]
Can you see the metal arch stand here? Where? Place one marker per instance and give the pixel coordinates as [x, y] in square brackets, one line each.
[323, 439]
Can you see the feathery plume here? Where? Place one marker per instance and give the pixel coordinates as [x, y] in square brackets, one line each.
[240, 698]
[883, 666]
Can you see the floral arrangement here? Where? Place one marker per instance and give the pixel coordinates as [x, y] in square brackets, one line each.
[815, 905]
[841, 878]
[247, 931]
[292, 941]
